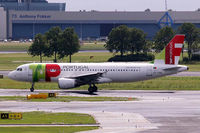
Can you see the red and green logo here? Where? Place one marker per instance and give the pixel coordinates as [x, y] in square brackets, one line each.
[171, 53]
[52, 70]
[44, 72]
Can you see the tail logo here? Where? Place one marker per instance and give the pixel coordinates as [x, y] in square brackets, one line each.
[173, 50]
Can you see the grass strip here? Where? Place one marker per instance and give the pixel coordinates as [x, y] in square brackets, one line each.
[11, 61]
[51, 118]
[11, 46]
[65, 99]
[165, 83]
[44, 129]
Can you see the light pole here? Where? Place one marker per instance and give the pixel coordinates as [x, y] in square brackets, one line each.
[33, 28]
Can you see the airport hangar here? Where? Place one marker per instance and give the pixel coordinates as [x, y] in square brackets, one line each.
[26, 23]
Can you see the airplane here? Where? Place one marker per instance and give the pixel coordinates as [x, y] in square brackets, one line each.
[72, 75]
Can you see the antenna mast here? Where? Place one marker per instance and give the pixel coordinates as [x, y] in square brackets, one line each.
[166, 5]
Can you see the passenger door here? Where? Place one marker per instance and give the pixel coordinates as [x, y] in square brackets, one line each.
[30, 75]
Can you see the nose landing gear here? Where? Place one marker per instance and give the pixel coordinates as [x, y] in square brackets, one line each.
[93, 88]
[32, 88]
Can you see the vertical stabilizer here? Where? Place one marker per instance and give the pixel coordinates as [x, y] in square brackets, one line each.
[171, 54]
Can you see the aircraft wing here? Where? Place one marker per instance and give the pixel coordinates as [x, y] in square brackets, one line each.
[87, 78]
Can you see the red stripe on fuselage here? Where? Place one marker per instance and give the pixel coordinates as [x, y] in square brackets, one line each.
[52, 70]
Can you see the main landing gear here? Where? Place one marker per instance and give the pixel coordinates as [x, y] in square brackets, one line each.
[32, 88]
[92, 88]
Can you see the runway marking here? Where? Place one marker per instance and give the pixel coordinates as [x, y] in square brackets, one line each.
[117, 122]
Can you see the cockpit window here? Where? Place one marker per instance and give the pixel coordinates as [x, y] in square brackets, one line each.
[19, 69]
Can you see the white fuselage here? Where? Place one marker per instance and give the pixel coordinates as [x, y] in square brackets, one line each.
[116, 72]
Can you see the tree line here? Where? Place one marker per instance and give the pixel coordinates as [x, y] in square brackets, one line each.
[123, 40]
[55, 42]
[126, 40]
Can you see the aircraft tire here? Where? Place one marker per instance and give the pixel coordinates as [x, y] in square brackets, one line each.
[32, 89]
[91, 90]
[95, 88]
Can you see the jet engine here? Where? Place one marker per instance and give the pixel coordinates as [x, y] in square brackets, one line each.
[67, 83]
[103, 80]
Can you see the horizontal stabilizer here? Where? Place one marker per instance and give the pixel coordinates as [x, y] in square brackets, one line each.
[171, 68]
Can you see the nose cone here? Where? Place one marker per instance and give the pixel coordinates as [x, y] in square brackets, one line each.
[11, 75]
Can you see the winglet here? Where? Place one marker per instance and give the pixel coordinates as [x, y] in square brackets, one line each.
[171, 54]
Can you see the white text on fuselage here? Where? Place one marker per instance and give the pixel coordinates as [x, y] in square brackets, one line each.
[171, 53]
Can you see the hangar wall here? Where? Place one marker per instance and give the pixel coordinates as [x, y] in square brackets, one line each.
[84, 31]
[91, 24]
[3, 24]
[30, 30]
[86, 24]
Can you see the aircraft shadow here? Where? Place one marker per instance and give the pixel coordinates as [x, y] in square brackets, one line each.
[85, 92]
[78, 92]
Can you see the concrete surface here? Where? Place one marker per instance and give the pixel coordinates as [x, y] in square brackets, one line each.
[4, 73]
[155, 112]
[120, 122]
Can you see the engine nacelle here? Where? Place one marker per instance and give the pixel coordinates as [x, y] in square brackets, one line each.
[103, 80]
[67, 83]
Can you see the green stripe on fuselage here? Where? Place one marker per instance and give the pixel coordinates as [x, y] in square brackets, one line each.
[38, 72]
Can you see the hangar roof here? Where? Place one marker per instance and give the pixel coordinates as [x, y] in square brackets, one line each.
[95, 16]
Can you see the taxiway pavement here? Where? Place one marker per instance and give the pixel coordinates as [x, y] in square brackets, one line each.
[154, 112]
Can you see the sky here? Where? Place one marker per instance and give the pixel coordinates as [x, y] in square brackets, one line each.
[129, 5]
